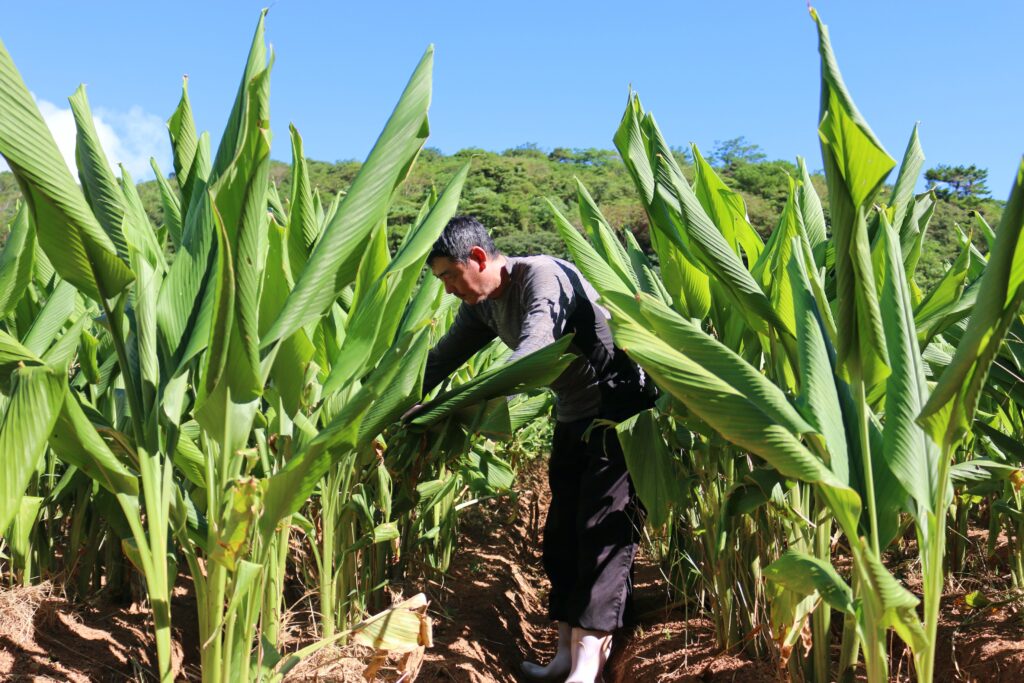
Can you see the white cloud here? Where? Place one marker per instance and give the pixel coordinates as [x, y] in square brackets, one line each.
[129, 138]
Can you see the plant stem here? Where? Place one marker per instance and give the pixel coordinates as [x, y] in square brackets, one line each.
[932, 567]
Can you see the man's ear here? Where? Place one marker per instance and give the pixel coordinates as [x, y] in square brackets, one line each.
[478, 256]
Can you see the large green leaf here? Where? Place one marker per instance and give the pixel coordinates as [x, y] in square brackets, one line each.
[902, 199]
[537, 369]
[750, 416]
[950, 409]
[182, 293]
[76, 441]
[13, 355]
[856, 165]
[240, 194]
[234, 129]
[51, 320]
[377, 310]
[687, 225]
[289, 488]
[651, 466]
[945, 303]
[16, 261]
[685, 281]
[171, 205]
[98, 182]
[810, 207]
[333, 262]
[818, 399]
[603, 238]
[804, 574]
[26, 426]
[303, 226]
[771, 268]
[910, 455]
[595, 269]
[191, 154]
[79, 249]
[726, 210]
[711, 355]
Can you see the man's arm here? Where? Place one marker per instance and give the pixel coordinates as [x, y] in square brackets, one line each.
[546, 310]
[467, 335]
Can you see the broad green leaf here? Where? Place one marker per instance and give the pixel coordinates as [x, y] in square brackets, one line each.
[738, 415]
[240, 193]
[19, 539]
[688, 226]
[950, 409]
[771, 269]
[594, 267]
[651, 465]
[810, 207]
[644, 269]
[804, 574]
[76, 441]
[856, 165]
[726, 210]
[303, 225]
[377, 308]
[537, 369]
[26, 426]
[234, 130]
[294, 354]
[333, 261]
[818, 399]
[186, 147]
[67, 231]
[98, 182]
[686, 283]
[912, 241]
[944, 304]
[603, 238]
[58, 310]
[902, 199]
[12, 355]
[16, 261]
[714, 358]
[171, 205]
[137, 229]
[910, 455]
[182, 292]
[244, 504]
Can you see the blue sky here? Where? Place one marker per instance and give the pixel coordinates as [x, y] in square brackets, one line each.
[550, 73]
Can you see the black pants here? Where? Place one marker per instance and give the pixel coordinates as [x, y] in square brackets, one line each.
[592, 530]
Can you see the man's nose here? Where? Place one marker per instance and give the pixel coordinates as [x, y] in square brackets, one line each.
[449, 288]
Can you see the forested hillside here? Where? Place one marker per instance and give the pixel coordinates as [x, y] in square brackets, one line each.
[507, 191]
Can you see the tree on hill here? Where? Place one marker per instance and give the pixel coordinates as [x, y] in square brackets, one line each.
[735, 152]
[957, 182]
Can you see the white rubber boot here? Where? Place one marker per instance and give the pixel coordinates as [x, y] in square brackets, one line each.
[590, 651]
[560, 664]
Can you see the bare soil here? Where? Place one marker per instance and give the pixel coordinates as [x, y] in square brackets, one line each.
[488, 615]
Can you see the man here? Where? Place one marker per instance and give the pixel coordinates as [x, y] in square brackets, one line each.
[593, 523]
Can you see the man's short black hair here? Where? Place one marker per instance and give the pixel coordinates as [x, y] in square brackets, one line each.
[460, 235]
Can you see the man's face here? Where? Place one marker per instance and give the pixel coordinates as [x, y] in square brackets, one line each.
[465, 280]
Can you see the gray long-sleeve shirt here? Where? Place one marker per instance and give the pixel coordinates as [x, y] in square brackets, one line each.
[544, 299]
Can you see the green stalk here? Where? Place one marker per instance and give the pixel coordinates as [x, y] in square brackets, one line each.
[327, 558]
[932, 568]
[821, 620]
[874, 645]
[860, 399]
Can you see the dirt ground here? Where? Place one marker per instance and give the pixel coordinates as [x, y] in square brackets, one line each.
[488, 614]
